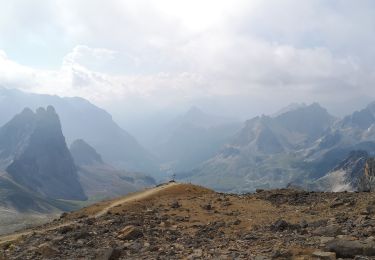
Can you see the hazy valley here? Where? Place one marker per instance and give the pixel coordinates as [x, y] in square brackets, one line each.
[285, 179]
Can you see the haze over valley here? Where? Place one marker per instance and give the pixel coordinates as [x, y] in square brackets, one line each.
[210, 129]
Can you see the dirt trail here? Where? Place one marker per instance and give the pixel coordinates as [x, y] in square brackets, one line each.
[130, 198]
[15, 236]
[134, 197]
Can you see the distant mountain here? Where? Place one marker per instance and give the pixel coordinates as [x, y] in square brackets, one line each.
[268, 152]
[195, 116]
[192, 138]
[363, 119]
[101, 180]
[40, 177]
[82, 120]
[84, 154]
[34, 153]
[308, 121]
[353, 132]
[290, 107]
[347, 175]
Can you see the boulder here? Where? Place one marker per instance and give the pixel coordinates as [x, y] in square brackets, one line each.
[351, 248]
[328, 231]
[109, 254]
[130, 233]
[46, 250]
[324, 255]
[281, 225]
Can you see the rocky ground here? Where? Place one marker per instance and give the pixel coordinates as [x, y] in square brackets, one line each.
[190, 222]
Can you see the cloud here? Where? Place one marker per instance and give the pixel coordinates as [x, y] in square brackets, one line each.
[82, 54]
[167, 53]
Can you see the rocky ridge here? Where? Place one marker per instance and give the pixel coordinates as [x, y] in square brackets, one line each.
[355, 173]
[35, 155]
[183, 221]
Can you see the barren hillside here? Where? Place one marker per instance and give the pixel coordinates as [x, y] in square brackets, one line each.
[183, 221]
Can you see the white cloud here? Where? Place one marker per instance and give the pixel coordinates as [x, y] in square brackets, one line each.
[168, 52]
[82, 54]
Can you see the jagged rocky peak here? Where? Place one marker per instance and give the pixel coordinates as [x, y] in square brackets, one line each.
[289, 108]
[84, 154]
[27, 112]
[312, 120]
[361, 119]
[26, 118]
[37, 155]
[14, 135]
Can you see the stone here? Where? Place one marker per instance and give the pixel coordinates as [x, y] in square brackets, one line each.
[360, 257]
[328, 231]
[337, 204]
[198, 252]
[281, 225]
[303, 223]
[109, 254]
[324, 255]
[81, 234]
[130, 233]
[66, 229]
[261, 257]
[351, 248]
[175, 204]
[46, 250]
[207, 206]
[325, 240]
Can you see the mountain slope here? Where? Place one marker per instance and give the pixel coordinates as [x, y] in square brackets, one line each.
[184, 221]
[355, 173]
[21, 207]
[101, 180]
[35, 148]
[81, 119]
[345, 176]
[266, 152]
[84, 154]
[17, 197]
[192, 138]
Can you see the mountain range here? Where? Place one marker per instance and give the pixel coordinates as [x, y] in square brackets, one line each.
[298, 145]
[52, 161]
[41, 176]
[82, 120]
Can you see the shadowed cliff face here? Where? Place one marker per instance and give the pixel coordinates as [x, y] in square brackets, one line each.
[40, 160]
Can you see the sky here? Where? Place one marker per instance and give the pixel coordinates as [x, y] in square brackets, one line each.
[236, 58]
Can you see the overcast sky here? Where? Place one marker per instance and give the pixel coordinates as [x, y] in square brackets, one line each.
[230, 56]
